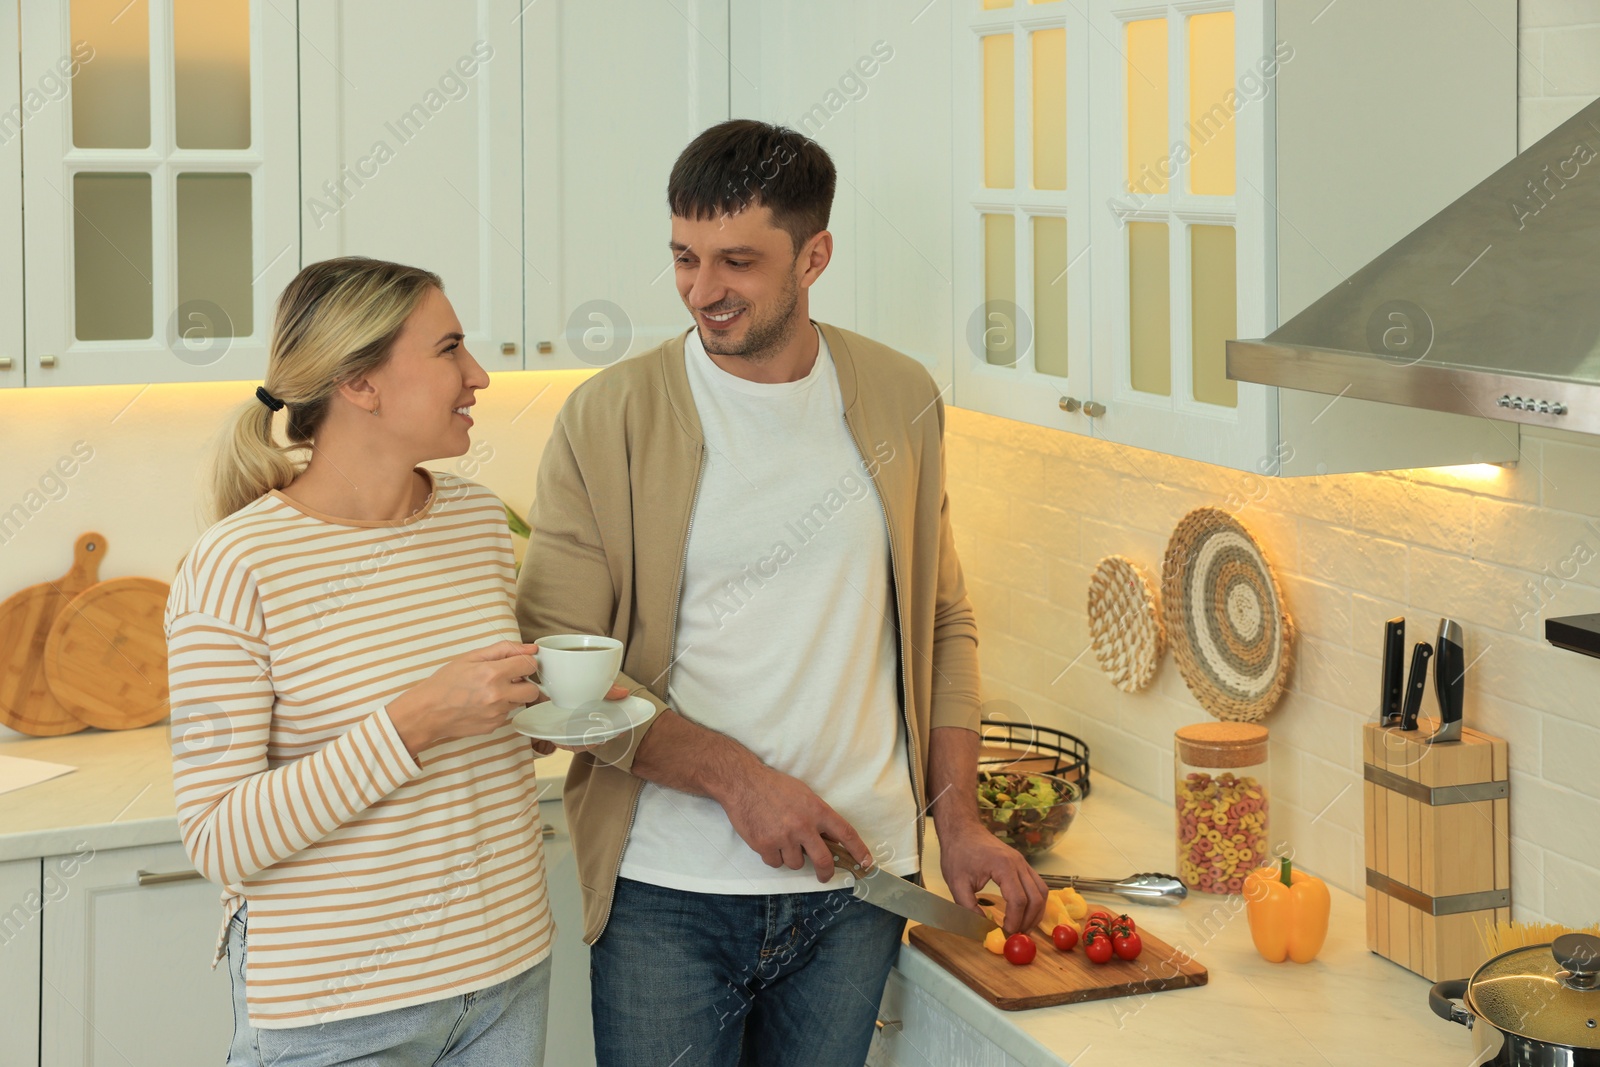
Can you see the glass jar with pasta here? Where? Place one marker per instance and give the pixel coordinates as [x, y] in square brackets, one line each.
[1220, 794]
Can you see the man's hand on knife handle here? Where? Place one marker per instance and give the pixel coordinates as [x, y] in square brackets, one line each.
[780, 818]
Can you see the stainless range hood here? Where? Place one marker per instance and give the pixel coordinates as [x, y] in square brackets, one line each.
[1490, 308]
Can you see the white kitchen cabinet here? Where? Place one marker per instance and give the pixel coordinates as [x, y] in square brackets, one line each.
[159, 192]
[614, 90]
[851, 76]
[11, 360]
[915, 1030]
[411, 150]
[126, 976]
[22, 899]
[1221, 166]
[570, 1037]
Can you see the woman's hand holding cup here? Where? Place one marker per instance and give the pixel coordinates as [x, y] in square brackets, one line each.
[471, 695]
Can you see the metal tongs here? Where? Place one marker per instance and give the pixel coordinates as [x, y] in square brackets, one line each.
[1139, 888]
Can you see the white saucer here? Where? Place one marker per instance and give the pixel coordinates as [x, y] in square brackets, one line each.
[589, 724]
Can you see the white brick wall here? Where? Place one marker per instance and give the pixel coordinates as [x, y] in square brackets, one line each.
[1035, 510]
[1559, 69]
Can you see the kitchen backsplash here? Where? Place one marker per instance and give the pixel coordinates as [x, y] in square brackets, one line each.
[1497, 549]
[126, 461]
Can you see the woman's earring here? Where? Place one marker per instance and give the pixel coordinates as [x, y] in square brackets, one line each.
[374, 408]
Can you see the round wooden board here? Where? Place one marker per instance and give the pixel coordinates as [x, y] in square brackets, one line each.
[26, 703]
[106, 657]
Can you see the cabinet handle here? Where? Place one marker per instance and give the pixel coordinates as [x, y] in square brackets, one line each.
[1094, 409]
[888, 1024]
[545, 348]
[1069, 404]
[547, 831]
[167, 877]
[508, 348]
[47, 361]
[5, 363]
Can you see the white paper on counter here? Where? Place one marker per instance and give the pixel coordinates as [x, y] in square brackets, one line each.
[17, 773]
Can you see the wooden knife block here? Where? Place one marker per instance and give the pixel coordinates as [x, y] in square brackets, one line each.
[1438, 847]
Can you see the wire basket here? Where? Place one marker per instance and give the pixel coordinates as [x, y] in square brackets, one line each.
[1030, 749]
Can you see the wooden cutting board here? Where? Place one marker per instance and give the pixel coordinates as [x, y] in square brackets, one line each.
[106, 656]
[1056, 977]
[26, 703]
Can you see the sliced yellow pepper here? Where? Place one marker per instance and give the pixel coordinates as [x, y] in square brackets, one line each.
[1288, 913]
[1077, 908]
[1055, 914]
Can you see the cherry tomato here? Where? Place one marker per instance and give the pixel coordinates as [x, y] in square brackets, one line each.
[1127, 944]
[1020, 949]
[1125, 920]
[1100, 913]
[1065, 937]
[1097, 946]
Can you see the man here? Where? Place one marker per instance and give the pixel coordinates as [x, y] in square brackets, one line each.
[757, 510]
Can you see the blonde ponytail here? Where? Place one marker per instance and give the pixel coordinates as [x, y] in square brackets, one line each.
[336, 321]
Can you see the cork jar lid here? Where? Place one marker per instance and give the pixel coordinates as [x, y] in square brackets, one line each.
[1222, 744]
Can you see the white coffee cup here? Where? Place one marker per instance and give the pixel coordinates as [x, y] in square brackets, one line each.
[577, 668]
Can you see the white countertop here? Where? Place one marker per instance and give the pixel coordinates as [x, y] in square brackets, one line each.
[1347, 1007]
[121, 794]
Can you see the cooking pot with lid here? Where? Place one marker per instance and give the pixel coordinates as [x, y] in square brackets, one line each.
[1532, 1006]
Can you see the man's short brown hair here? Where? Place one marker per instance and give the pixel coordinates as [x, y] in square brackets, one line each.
[743, 163]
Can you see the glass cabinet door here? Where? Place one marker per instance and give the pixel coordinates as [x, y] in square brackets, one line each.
[1022, 269]
[157, 231]
[1181, 228]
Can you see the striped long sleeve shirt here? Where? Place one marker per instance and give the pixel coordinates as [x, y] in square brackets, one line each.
[374, 881]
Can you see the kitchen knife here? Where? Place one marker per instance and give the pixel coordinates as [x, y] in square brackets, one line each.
[1391, 705]
[1449, 680]
[1415, 684]
[909, 900]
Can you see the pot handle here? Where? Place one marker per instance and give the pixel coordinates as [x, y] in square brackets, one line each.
[1442, 998]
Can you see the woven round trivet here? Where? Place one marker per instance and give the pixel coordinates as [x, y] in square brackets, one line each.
[1225, 617]
[1125, 627]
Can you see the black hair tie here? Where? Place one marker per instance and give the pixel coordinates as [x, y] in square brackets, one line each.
[268, 399]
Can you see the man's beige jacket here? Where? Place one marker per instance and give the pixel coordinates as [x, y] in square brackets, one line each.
[615, 498]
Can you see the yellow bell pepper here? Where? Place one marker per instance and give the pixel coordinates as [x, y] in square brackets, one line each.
[1288, 913]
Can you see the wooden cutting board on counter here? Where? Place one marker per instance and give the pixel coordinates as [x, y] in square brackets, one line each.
[106, 656]
[26, 703]
[1056, 977]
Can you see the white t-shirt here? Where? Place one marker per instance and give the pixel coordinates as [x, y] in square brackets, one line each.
[786, 636]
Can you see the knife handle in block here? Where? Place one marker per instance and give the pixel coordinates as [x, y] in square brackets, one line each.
[1416, 684]
[1391, 703]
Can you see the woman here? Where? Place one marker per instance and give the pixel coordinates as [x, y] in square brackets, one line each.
[344, 660]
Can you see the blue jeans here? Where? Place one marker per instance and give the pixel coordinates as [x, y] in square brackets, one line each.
[715, 980]
[499, 1026]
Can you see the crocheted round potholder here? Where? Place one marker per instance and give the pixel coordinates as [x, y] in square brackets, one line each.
[1125, 627]
[1230, 633]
